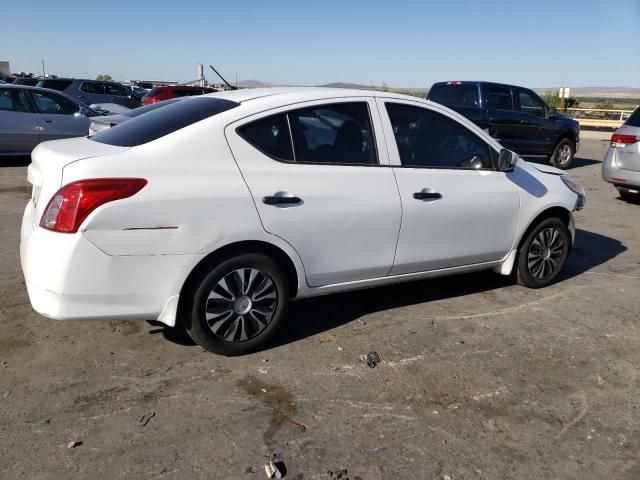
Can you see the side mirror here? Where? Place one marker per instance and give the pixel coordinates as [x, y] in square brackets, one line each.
[83, 112]
[507, 160]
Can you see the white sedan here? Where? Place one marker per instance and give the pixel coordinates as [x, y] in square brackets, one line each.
[216, 211]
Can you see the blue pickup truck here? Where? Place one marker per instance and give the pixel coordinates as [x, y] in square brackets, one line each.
[515, 116]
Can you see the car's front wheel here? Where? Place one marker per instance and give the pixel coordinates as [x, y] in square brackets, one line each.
[543, 253]
[562, 155]
[237, 305]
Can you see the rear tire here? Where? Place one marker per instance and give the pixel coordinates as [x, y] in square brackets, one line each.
[543, 253]
[562, 156]
[237, 305]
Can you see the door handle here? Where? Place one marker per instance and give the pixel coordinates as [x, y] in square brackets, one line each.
[525, 122]
[48, 120]
[280, 200]
[427, 196]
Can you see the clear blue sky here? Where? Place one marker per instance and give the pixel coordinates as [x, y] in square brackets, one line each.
[409, 43]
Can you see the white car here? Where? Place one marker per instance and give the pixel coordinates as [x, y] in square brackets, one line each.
[217, 210]
[621, 164]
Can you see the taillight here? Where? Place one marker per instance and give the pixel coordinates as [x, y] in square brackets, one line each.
[454, 83]
[73, 203]
[618, 140]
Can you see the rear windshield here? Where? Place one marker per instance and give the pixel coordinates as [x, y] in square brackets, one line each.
[455, 95]
[153, 92]
[57, 84]
[634, 118]
[136, 112]
[163, 121]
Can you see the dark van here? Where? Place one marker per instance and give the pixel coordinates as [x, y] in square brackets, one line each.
[515, 116]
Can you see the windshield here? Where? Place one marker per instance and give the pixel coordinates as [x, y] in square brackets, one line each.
[163, 121]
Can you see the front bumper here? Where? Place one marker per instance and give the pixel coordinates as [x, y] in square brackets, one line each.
[69, 278]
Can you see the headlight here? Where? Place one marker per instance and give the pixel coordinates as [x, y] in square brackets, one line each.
[576, 188]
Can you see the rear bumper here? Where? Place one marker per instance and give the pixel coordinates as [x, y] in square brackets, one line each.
[621, 178]
[69, 278]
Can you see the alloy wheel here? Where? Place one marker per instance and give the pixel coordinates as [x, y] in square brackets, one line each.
[241, 304]
[564, 154]
[545, 253]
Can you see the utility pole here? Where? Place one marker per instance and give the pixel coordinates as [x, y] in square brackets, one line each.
[236, 79]
[44, 74]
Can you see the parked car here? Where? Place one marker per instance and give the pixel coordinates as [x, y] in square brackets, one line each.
[93, 91]
[26, 81]
[157, 94]
[99, 124]
[218, 210]
[515, 116]
[621, 164]
[30, 115]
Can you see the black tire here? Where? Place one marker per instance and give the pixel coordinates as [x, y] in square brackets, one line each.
[216, 332]
[562, 156]
[527, 271]
[628, 196]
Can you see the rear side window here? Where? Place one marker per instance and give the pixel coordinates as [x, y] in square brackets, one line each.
[271, 136]
[11, 100]
[56, 84]
[634, 118]
[93, 87]
[163, 121]
[465, 95]
[326, 134]
[499, 98]
[429, 139]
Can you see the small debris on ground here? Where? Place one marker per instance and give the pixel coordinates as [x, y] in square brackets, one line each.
[146, 418]
[74, 444]
[250, 470]
[373, 359]
[342, 475]
[7, 393]
[340, 349]
[379, 449]
[274, 468]
[4, 364]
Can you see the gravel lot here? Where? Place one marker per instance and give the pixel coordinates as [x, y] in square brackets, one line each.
[478, 379]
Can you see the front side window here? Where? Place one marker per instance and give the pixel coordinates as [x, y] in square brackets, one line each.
[51, 103]
[11, 100]
[499, 98]
[93, 87]
[116, 90]
[528, 103]
[429, 139]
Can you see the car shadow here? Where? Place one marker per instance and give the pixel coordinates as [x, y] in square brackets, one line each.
[15, 161]
[308, 317]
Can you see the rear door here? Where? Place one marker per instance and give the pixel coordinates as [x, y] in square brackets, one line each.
[19, 132]
[55, 116]
[320, 180]
[537, 131]
[504, 121]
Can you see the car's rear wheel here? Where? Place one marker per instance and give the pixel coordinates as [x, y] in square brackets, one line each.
[562, 155]
[237, 304]
[543, 253]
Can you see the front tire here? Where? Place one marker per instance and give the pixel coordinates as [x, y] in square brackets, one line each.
[543, 253]
[237, 305]
[562, 156]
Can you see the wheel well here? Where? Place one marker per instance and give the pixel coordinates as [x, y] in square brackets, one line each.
[238, 248]
[569, 135]
[558, 212]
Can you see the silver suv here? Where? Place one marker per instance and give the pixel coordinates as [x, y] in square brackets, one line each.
[621, 164]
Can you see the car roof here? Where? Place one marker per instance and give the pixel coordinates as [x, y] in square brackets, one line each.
[286, 95]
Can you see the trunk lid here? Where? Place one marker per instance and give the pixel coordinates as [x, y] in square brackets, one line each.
[627, 157]
[48, 161]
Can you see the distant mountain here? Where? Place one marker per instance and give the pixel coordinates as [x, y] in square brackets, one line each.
[345, 85]
[255, 84]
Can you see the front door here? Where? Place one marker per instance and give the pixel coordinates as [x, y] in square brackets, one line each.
[538, 130]
[319, 178]
[456, 209]
[55, 115]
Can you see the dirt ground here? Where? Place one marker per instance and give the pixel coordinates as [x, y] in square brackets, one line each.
[478, 379]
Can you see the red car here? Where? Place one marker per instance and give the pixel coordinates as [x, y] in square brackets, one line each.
[158, 94]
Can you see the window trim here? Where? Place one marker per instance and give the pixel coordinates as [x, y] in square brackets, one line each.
[493, 153]
[363, 100]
